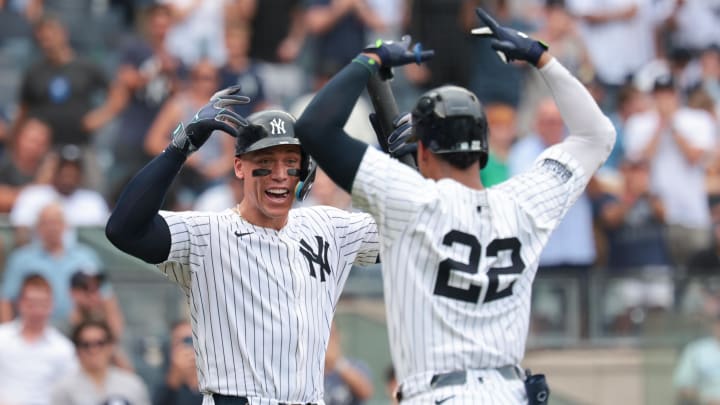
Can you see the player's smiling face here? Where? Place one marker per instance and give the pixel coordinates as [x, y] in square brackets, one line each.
[268, 198]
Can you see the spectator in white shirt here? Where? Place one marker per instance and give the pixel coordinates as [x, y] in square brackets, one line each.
[33, 355]
[677, 142]
[619, 36]
[82, 207]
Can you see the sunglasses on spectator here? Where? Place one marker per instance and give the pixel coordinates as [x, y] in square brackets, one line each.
[89, 344]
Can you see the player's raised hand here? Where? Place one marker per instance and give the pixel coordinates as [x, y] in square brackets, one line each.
[217, 114]
[508, 43]
[399, 53]
[399, 141]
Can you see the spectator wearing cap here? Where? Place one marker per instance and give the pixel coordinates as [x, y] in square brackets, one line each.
[677, 142]
[180, 386]
[86, 289]
[82, 207]
[697, 373]
[54, 257]
[97, 381]
[90, 305]
[33, 354]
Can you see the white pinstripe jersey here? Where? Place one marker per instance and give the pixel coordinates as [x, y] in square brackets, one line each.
[458, 263]
[261, 301]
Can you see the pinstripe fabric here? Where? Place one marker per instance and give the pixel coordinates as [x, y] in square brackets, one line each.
[260, 320]
[424, 225]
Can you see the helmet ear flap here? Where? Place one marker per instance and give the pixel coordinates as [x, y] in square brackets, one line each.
[483, 159]
[307, 177]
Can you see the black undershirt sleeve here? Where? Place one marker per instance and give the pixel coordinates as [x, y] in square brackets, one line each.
[320, 127]
[135, 227]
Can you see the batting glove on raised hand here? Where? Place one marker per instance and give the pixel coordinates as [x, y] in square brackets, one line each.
[508, 43]
[399, 141]
[215, 115]
[398, 53]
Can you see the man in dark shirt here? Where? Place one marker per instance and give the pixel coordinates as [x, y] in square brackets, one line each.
[61, 87]
[180, 386]
[278, 34]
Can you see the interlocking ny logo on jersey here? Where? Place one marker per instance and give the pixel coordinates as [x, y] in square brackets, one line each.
[320, 258]
[277, 126]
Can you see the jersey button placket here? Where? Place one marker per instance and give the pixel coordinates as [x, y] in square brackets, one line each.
[297, 279]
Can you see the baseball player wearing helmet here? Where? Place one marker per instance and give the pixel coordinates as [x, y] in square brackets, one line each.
[261, 279]
[458, 259]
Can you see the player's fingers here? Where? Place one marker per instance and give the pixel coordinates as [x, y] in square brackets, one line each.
[502, 46]
[485, 17]
[233, 120]
[423, 56]
[405, 41]
[482, 31]
[408, 148]
[402, 119]
[228, 100]
[399, 138]
[420, 54]
[230, 129]
[227, 91]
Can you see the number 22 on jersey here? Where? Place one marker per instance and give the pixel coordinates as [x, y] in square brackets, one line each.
[472, 293]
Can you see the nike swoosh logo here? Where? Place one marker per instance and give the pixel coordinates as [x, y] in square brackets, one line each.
[240, 235]
[440, 401]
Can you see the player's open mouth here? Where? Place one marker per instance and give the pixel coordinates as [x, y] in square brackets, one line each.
[277, 193]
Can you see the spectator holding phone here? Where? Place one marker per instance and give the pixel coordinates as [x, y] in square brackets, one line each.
[180, 386]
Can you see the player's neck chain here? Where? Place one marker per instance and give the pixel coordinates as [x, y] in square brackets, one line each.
[237, 210]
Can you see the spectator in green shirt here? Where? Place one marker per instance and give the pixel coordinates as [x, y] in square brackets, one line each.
[502, 129]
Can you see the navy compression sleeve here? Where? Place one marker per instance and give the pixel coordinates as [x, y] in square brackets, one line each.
[320, 127]
[135, 227]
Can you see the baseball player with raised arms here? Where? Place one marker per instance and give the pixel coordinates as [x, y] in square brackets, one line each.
[262, 280]
[458, 259]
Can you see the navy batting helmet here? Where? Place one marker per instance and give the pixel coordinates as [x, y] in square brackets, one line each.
[450, 119]
[274, 128]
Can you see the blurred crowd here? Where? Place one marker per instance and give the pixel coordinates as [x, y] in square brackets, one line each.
[90, 91]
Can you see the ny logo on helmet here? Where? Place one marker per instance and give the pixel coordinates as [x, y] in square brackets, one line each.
[277, 126]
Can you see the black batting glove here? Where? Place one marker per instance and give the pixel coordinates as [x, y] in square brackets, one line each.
[398, 53]
[508, 43]
[215, 115]
[400, 142]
